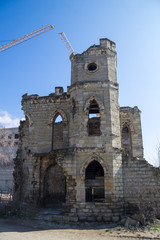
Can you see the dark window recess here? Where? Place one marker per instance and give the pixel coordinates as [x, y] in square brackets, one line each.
[126, 140]
[94, 126]
[92, 67]
[94, 120]
[94, 182]
[16, 136]
[125, 130]
[57, 133]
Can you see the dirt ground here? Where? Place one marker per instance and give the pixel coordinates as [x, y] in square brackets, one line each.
[13, 229]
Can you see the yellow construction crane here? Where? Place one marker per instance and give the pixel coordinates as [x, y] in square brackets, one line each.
[66, 42]
[26, 37]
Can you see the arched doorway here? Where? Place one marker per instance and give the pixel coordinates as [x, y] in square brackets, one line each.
[54, 186]
[94, 182]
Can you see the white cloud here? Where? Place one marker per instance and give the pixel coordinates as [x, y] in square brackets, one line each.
[6, 120]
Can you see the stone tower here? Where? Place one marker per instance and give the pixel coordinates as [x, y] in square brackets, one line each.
[95, 124]
[71, 143]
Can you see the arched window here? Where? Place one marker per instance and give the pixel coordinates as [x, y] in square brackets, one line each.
[126, 140]
[94, 119]
[57, 132]
[94, 182]
[58, 119]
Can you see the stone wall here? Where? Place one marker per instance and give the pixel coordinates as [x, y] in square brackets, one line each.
[141, 185]
[131, 117]
[94, 212]
[21, 165]
[54, 185]
[41, 112]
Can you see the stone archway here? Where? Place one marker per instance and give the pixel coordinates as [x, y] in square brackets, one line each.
[54, 191]
[89, 160]
[94, 182]
[99, 102]
[94, 177]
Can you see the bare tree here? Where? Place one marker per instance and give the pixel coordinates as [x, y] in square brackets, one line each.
[155, 158]
[7, 150]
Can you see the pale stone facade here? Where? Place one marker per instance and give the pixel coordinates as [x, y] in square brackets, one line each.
[8, 147]
[79, 162]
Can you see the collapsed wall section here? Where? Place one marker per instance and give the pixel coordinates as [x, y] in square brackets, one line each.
[20, 171]
[141, 185]
[42, 113]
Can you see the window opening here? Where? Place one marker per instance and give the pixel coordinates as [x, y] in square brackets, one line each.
[94, 182]
[58, 119]
[57, 133]
[126, 140]
[92, 67]
[94, 119]
[16, 136]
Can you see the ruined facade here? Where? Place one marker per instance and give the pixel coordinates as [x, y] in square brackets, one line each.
[79, 149]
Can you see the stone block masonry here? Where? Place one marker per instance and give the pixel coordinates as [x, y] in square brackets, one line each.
[141, 184]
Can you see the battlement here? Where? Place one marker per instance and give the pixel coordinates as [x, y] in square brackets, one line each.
[134, 110]
[97, 63]
[106, 43]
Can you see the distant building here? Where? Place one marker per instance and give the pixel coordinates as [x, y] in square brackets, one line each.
[8, 146]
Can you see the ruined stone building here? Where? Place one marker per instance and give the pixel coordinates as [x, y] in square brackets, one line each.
[79, 149]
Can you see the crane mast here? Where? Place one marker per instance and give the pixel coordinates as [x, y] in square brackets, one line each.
[66, 42]
[26, 37]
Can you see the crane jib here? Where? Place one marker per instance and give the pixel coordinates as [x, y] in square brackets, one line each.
[26, 37]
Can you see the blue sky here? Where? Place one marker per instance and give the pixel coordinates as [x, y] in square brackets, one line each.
[40, 64]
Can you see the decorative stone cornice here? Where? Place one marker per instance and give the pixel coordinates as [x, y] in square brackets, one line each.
[93, 84]
[70, 150]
